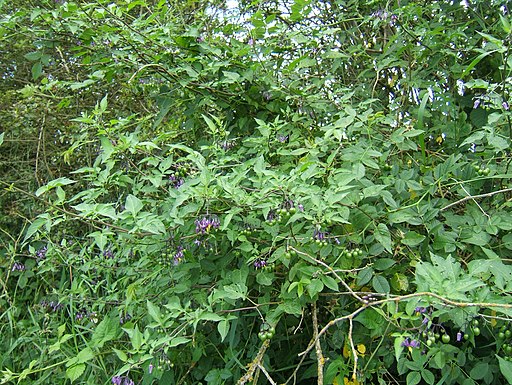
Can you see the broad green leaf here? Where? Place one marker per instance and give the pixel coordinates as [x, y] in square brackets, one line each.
[133, 204]
[74, 372]
[383, 236]
[380, 284]
[505, 368]
[413, 378]
[106, 331]
[223, 328]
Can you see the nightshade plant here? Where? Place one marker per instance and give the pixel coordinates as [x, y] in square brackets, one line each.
[281, 191]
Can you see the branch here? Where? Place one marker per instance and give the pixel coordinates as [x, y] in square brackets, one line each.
[366, 305]
[255, 364]
[319, 356]
[473, 197]
[349, 289]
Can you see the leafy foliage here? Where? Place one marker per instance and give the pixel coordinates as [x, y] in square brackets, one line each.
[210, 186]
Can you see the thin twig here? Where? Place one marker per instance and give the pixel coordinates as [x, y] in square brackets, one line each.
[262, 368]
[473, 197]
[349, 289]
[352, 315]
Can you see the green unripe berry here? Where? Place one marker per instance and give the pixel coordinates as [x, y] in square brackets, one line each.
[445, 338]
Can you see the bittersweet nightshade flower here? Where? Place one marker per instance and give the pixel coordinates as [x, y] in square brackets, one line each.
[420, 309]
[259, 263]
[505, 105]
[176, 182]
[41, 253]
[476, 104]
[207, 223]
[410, 343]
[18, 266]
[459, 336]
[179, 255]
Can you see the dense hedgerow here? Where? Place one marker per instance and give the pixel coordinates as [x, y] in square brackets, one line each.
[272, 192]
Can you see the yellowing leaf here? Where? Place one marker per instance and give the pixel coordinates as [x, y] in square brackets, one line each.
[346, 351]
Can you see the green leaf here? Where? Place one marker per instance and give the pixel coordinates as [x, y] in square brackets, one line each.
[364, 276]
[413, 378]
[178, 341]
[315, 287]
[479, 371]
[106, 330]
[133, 204]
[223, 328]
[33, 56]
[330, 282]
[37, 70]
[54, 183]
[505, 368]
[383, 263]
[380, 284]
[36, 225]
[428, 376]
[154, 312]
[74, 372]
[383, 236]
[2, 138]
[412, 238]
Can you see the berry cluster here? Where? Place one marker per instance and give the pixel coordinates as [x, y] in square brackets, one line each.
[266, 332]
[482, 170]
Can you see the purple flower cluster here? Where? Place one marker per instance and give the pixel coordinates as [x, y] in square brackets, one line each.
[18, 266]
[41, 253]
[52, 305]
[260, 263]
[107, 253]
[176, 182]
[320, 235]
[179, 255]
[207, 223]
[410, 343]
[122, 380]
[283, 138]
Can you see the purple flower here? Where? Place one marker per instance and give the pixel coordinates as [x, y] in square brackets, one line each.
[410, 344]
[207, 223]
[176, 182]
[505, 106]
[420, 309]
[107, 253]
[459, 336]
[320, 235]
[18, 266]
[283, 138]
[150, 368]
[122, 380]
[41, 253]
[300, 207]
[476, 104]
[179, 255]
[259, 263]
